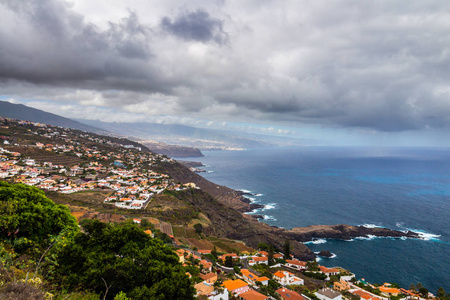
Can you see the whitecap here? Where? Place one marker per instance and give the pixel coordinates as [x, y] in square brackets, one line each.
[425, 235]
[316, 242]
[252, 199]
[367, 238]
[258, 195]
[269, 206]
[270, 218]
[371, 226]
[399, 224]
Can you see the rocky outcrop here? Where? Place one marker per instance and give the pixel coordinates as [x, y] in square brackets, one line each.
[325, 253]
[345, 232]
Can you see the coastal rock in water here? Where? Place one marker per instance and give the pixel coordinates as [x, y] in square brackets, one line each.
[325, 253]
[345, 232]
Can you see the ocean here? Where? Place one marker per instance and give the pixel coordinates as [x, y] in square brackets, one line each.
[397, 188]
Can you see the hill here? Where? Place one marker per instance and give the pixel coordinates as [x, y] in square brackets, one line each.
[23, 112]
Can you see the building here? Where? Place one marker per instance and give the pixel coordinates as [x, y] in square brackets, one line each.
[237, 286]
[258, 260]
[287, 294]
[341, 285]
[296, 264]
[209, 278]
[253, 295]
[364, 295]
[287, 278]
[204, 289]
[329, 271]
[328, 294]
[206, 266]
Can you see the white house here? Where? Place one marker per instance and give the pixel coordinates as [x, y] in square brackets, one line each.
[328, 294]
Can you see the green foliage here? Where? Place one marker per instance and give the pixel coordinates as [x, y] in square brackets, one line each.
[229, 262]
[29, 219]
[270, 288]
[271, 252]
[334, 278]
[441, 294]
[198, 228]
[424, 292]
[121, 296]
[315, 275]
[263, 247]
[312, 265]
[310, 294]
[237, 270]
[124, 258]
[287, 249]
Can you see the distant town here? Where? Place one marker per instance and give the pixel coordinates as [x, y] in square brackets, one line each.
[125, 170]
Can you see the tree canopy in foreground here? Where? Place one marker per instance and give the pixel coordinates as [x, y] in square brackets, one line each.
[123, 258]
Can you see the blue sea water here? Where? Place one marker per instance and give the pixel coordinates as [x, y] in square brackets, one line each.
[397, 188]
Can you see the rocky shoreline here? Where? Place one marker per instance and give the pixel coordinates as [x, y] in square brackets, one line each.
[227, 211]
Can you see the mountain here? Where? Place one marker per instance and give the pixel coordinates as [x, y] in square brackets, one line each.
[202, 138]
[22, 112]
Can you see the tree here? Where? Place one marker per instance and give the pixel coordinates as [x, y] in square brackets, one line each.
[29, 219]
[127, 259]
[198, 228]
[263, 247]
[214, 251]
[424, 292]
[441, 293]
[287, 249]
[271, 252]
[229, 262]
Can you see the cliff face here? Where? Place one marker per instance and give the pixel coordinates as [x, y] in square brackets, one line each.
[228, 222]
[223, 194]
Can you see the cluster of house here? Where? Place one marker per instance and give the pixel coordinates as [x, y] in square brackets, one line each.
[386, 291]
[133, 187]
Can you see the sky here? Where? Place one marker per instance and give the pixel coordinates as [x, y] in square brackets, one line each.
[349, 71]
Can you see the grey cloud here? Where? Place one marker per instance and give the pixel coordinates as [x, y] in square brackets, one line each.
[197, 26]
[56, 46]
[379, 65]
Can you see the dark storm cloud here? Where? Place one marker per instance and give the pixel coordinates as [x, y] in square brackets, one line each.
[381, 65]
[47, 43]
[197, 26]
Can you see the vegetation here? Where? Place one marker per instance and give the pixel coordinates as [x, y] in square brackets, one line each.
[29, 220]
[315, 275]
[40, 240]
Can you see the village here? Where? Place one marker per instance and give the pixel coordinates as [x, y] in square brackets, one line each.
[262, 275]
[127, 172]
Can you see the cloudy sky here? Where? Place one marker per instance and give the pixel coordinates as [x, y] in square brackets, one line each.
[350, 70]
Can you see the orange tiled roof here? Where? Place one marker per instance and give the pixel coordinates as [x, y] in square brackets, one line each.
[258, 258]
[362, 294]
[328, 270]
[253, 295]
[296, 262]
[384, 289]
[264, 278]
[232, 285]
[279, 274]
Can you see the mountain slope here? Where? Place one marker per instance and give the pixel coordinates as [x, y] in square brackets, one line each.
[22, 112]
